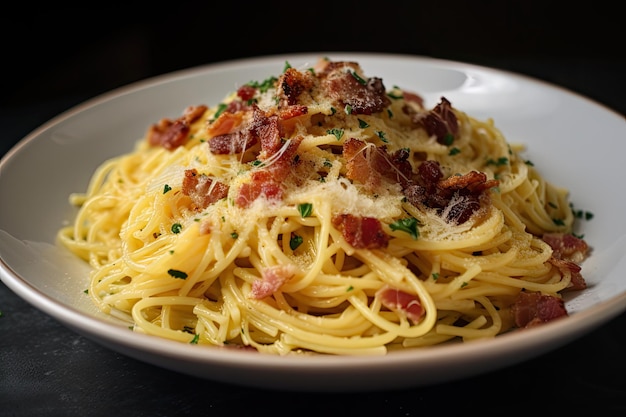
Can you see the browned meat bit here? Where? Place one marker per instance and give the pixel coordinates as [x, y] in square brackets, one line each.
[231, 143]
[237, 132]
[403, 303]
[532, 309]
[577, 282]
[369, 164]
[343, 84]
[568, 252]
[440, 122]
[361, 232]
[269, 131]
[202, 189]
[411, 97]
[267, 181]
[291, 84]
[567, 246]
[246, 132]
[172, 134]
[473, 181]
[455, 198]
[246, 93]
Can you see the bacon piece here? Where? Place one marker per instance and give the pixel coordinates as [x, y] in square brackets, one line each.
[263, 127]
[272, 280]
[430, 172]
[269, 131]
[567, 252]
[365, 162]
[403, 303]
[455, 198]
[413, 98]
[267, 181]
[361, 232]
[172, 134]
[409, 110]
[343, 84]
[368, 164]
[440, 122]
[246, 92]
[567, 246]
[291, 84]
[261, 184]
[532, 309]
[225, 123]
[231, 143]
[202, 189]
[577, 281]
[473, 181]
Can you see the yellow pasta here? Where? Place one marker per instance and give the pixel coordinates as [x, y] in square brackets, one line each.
[294, 218]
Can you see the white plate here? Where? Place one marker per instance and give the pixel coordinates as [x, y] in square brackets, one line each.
[575, 143]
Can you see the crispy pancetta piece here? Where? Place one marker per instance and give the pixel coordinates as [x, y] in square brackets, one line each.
[533, 309]
[203, 190]
[343, 84]
[172, 134]
[568, 251]
[440, 122]
[361, 232]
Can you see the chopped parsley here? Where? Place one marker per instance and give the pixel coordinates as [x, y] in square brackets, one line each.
[305, 209]
[166, 188]
[177, 274]
[176, 228]
[408, 225]
[220, 109]
[581, 214]
[257, 163]
[503, 160]
[265, 85]
[337, 132]
[295, 241]
[358, 78]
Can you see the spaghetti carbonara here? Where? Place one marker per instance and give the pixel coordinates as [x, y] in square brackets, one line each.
[318, 211]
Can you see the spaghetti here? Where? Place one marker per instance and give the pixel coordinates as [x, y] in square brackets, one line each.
[319, 212]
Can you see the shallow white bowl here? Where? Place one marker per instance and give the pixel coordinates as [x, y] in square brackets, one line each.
[575, 143]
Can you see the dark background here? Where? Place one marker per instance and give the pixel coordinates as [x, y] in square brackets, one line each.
[56, 56]
[52, 51]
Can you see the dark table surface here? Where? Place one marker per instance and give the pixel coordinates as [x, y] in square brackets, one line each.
[48, 370]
